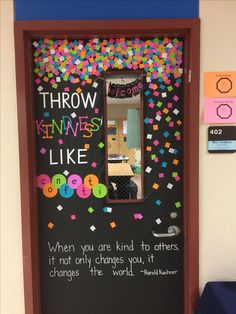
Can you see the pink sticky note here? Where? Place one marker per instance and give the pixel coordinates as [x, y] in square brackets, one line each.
[73, 217]
[138, 216]
[43, 150]
[177, 178]
[156, 159]
[175, 98]
[156, 142]
[220, 110]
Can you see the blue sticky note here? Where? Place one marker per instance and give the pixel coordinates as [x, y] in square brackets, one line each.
[105, 209]
[166, 134]
[164, 164]
[146, 120]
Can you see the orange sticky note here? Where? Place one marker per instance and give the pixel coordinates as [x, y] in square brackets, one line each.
[50, 225]
[155, 186]
[148, 148]
[219, 84]
[86, 146]
[113, 224]
[167, 145]
[175, 162]
[155, 127]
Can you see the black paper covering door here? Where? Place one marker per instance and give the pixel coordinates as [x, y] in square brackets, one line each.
[98, 257]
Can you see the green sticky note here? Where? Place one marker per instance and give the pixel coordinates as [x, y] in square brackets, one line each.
[101, 145]
[177, 204]
[174, 174]
[90, 210]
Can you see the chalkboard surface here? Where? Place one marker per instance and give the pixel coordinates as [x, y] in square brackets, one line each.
[99, 257]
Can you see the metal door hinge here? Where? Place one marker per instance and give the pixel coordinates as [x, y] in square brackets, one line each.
[189, 76]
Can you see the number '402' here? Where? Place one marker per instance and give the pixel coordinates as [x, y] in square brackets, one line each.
[216, 131]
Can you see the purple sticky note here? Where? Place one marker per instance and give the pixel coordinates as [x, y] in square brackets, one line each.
[175, 98]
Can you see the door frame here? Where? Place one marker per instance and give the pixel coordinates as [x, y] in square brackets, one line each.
[26, 31]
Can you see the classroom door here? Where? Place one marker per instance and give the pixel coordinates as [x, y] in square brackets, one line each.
[101, 252]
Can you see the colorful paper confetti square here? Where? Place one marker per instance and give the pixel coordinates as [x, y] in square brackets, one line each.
[113, 224]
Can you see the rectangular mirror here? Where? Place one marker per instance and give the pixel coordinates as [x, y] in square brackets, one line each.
[124, 148]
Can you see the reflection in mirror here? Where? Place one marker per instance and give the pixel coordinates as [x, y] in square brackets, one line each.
[124, 156]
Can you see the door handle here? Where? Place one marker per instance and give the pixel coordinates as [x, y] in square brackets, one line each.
[172, 231]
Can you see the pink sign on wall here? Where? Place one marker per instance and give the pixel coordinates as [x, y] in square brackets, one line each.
[220, 110]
